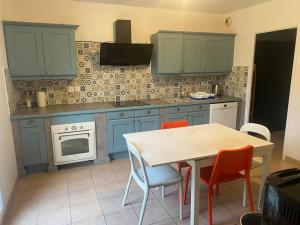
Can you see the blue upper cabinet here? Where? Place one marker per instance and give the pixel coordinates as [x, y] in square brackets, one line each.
[40, 51]
[24, 51]
[189, 53]
[59, 50]
[218, 57]
[167, 53]
[192, 53]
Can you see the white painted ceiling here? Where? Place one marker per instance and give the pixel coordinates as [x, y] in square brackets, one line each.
[209, 6]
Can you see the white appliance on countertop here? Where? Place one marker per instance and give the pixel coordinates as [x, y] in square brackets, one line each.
[74, 142]
[224, 113]
[202, 95]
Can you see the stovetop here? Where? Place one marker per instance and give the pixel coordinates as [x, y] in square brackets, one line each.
[128, 103]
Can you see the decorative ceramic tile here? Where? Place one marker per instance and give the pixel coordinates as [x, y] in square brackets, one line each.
[96, 83]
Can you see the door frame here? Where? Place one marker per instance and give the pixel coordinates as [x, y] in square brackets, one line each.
[250, 76]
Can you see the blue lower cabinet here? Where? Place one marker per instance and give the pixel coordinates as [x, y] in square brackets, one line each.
[116, 129]
[34, 146]
[147, 123]
[199, 118]
[176, 116]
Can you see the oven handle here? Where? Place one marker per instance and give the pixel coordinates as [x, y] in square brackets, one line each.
[61, 136]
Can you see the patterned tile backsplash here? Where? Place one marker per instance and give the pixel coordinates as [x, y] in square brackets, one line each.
[97, 83]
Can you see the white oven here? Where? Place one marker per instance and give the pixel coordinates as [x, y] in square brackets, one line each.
[74, 142]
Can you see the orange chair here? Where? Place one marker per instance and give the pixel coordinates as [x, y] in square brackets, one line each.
[229, 165]
[180, 165]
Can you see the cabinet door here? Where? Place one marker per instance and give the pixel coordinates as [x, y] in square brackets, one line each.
[116, 129]
[218, 55]
[24, 51]
[59, 50]
[147, 123]
[176, 116]
[198, 118]
[34, 146]
[169, 53]
[193, 53]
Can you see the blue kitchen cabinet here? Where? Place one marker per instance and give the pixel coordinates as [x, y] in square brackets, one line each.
[218, 53]
[167, 53]
[40, 51]
[24, 49]
[176, 116]
[199, 118]
[116, 129]
[193, 46]
[33, 146]
[60, 52]
[147, 123]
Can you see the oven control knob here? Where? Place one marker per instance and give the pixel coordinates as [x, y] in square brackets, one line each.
[81, 127]
[73, 127]
[66, 128]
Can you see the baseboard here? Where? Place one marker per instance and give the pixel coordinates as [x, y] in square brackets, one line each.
[292, 160]
[8, 205]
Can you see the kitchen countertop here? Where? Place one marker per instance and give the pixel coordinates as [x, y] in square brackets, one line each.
[73, 109]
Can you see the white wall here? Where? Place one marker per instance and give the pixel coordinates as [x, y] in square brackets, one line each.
[96, 19]
[270, 16]
[8, 168]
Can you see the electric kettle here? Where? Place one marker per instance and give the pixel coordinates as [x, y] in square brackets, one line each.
[216, 89]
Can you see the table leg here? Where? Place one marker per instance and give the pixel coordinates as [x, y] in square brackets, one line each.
[195, 192]
[265, 171]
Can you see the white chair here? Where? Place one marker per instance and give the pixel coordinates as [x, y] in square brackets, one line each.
[264, 132]
[151, 177]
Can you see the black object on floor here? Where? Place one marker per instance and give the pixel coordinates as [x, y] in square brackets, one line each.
[252, 218]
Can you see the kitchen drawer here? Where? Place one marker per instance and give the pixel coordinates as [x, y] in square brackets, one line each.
[31, 123]
[146, 112]
[177, 109]
[195, 108]
[120, 115]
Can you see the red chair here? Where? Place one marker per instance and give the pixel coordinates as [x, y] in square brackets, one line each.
[229, 165]
[180, 165]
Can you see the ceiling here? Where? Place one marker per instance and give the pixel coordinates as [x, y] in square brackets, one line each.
[209, 6]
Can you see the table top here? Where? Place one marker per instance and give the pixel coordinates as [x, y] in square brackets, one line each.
[167, 146]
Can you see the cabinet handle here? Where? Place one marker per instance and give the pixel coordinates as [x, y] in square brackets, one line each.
[121, 114]
[199, 107]
[177, 109]
[225, 105]
[148, 111]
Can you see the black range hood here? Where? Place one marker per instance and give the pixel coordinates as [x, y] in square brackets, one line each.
[123, 52]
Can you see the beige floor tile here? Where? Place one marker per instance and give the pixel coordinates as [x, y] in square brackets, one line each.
[22, 220]
[113, 204]
[105, 178]
[154, 212]
[136, 195]
[26, 195]
[82, 196]
[222, 215]
[60, 216]
[171, 205]
[95, 221]
[81, 183]
[108, 190]
[167, 222]
[100, 169]
[85, 211]
[48, 190]
[127, 217]
[120, 164]
[28, 208]
[53, 202]
[237, 207]
[186, 220]
[78, 173]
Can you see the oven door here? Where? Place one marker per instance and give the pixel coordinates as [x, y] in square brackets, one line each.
[74, 147]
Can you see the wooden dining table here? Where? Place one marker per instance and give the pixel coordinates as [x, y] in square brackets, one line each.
[198, 145]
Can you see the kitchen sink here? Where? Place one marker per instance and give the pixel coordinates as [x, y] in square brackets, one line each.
[178, 100]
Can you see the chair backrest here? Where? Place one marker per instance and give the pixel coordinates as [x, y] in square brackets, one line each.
[231, 162]
[143, 182]
[174, 124]
[258, 129]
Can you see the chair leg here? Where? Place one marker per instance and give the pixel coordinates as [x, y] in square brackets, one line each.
[250, 197]
[163, 192]
[186, 186]
[142, 213]
[245, 194]
[179, 171]
[181, 200]
[209, 205]
[127, 189]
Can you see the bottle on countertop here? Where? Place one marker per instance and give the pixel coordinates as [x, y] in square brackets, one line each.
[41, 98]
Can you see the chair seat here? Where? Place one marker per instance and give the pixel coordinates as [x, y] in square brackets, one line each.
[160, 175]
[205, 174]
